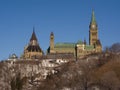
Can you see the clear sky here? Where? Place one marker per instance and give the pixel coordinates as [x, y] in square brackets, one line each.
[68, 19]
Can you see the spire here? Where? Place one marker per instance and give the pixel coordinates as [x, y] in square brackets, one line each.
[33, 37]
[93, 20]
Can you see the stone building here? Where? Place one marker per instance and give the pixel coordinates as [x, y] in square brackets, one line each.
[32, 50]
[80, 48]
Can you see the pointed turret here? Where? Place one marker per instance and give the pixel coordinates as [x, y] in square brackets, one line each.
[93, 20]
[93, 30]
[93, 23]
[33, 37]
[33, 49]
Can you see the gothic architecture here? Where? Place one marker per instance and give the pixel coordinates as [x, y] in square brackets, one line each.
[80, 48]
[93, 34]
[32, 50]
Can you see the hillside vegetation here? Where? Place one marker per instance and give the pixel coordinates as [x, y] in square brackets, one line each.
[86, 75]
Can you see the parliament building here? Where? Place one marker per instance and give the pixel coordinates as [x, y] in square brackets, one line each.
[79, 49]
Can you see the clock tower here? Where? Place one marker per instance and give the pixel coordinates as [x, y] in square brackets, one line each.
[93, 30]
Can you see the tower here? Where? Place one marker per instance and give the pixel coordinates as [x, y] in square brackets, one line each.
[52, 42]
[93, 34]
[93, 30]
[33, 50]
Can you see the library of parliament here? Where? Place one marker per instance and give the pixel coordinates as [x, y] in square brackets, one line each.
[79, 49]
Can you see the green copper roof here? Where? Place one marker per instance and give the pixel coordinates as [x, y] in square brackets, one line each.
[64, 45]
[93, 20]
[89, 47]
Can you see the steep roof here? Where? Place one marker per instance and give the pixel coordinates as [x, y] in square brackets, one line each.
[93, 20]
[33, 45]
[34, 48]
[33, 37]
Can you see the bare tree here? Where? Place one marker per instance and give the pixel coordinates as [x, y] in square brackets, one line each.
[17, 82]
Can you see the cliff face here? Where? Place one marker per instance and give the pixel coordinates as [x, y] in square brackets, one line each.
[28, 73]
[90, 72]
[5, 76]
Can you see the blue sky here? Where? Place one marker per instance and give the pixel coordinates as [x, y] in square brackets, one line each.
[68, 19]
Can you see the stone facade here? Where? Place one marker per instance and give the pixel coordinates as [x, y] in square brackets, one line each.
[32, 50]
[80, 48]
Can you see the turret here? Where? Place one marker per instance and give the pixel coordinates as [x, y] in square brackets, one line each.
[52, 42]
[33, 49]
[33, 39]
[93, 30]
